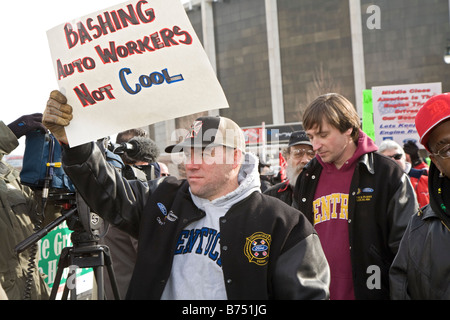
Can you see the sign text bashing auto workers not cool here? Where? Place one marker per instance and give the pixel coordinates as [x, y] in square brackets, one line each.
[131, 65]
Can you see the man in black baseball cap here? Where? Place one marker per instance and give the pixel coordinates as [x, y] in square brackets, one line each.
[212, 140]
[299, 152]
[211, 236]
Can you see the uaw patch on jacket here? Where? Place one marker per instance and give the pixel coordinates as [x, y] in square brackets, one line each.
[257, 248]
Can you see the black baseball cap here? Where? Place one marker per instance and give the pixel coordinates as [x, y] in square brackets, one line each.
[299, 137]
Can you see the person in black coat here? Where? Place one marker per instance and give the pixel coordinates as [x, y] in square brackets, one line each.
[422, 266]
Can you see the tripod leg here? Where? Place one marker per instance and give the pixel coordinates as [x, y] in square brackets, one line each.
[56, 283]
[65, 293]
[71, 282]
[98, 272]
[112, 277]
[62, 263]
[111, 274]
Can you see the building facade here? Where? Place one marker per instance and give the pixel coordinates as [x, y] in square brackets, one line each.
[273, 57]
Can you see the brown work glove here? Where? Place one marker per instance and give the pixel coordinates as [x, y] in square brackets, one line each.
[57, 115]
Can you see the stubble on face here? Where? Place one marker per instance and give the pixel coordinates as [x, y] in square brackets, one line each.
[212, 179]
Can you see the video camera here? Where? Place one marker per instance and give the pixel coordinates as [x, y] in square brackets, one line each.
[139, 154]
[42, 171]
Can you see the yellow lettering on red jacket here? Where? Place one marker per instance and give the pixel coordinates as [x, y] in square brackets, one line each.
[333, 206]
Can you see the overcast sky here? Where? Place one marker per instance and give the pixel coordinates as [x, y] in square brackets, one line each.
[27, 75]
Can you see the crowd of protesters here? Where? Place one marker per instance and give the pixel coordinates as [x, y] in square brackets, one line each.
[350, 219]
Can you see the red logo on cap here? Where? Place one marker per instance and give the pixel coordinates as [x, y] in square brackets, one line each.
[195, 128]
[437, 109]
[432, 113]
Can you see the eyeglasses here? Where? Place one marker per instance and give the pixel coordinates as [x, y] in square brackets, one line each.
[444, 152]
[299, 153]
[396, 156]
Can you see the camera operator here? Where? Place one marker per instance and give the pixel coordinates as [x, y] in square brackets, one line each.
[123, 247]
[143, 161]
[18, 208]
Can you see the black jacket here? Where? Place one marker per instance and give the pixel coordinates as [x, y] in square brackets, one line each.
[421, 269]
[381, 201]
[282, 191]
[293, 267]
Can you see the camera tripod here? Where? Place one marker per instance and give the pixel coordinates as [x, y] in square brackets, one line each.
[85, 253]
[90, 256]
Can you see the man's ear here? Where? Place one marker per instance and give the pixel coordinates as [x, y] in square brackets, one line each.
[238, 158]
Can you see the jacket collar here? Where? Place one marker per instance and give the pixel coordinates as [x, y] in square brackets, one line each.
[427, 212]
[367, 160]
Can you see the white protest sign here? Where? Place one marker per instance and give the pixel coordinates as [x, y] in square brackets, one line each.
[131, 65]
[395, 109]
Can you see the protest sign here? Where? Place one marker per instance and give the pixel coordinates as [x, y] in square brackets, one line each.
[131, 65]
[395, 109]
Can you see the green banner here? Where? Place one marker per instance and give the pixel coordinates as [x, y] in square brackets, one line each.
[367, 116]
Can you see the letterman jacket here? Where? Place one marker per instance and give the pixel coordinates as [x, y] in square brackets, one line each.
[291, 263]
[381, 201]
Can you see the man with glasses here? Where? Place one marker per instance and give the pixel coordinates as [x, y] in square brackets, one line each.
[299, 152]
[211, 236]
[358, 200]
[164, 169]
[422, 266]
